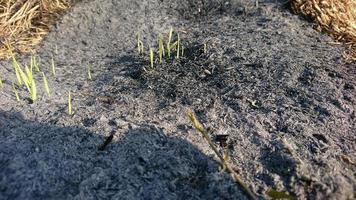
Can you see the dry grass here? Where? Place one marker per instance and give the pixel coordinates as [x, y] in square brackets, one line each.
[336, 17]
[24, 23]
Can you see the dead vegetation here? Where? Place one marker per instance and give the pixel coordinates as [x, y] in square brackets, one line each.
[336, 17]
[24, 23]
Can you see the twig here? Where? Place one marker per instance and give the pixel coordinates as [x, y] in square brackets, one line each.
[107, 141]
[223, 161]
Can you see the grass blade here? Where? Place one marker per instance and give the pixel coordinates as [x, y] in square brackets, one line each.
[151, 58]
[178, 46]
[33, 92]
[161, 48]
[24, 77]
[16, 67]
[45, 83]
[15, 92]
[53, 67]
[70, 111]
[138, 43]
[37, 63]
[182, 50]
[89, 73]
[169, 43]
[34, 63]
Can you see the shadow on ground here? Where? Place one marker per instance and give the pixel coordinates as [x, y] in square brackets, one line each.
[41, 161]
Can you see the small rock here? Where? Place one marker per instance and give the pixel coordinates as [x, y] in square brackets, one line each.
[103, 119]
[121, 123]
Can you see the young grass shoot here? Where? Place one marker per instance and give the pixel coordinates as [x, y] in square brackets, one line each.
[53, 67]
[151, 58]
[16, 67]
[178, 44]
[45, 84]
[35, 63]
[169, 42]
[139, 44]
[15, 92]
[89, 73]
[70, 111]
[161, 48]
[29, 81]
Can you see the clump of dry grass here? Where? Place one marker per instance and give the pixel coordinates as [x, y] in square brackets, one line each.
[336, 17]
[24, 23]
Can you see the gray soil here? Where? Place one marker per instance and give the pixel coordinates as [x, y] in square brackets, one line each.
[278, 89]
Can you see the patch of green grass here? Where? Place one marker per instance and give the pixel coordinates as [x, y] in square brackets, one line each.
[163, 49]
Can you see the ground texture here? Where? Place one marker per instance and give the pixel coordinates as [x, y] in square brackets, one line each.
[280, 91]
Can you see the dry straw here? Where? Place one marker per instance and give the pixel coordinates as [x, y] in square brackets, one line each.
[24, 23]
[336, 17]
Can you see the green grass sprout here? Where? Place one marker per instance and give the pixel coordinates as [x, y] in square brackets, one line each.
[56, 49]
[174, 45]
[29, 81]
[35, 63]
[169, 42]
[16, 66]
[274, 194]
[178, 46]
[53, 67]
[32, 61]
[151, 58]
[45, 84]
[182, 47]
[70, 111]
[15, 92]
[1, 84]
[89, 73]
[139, 44]
[161, 48]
